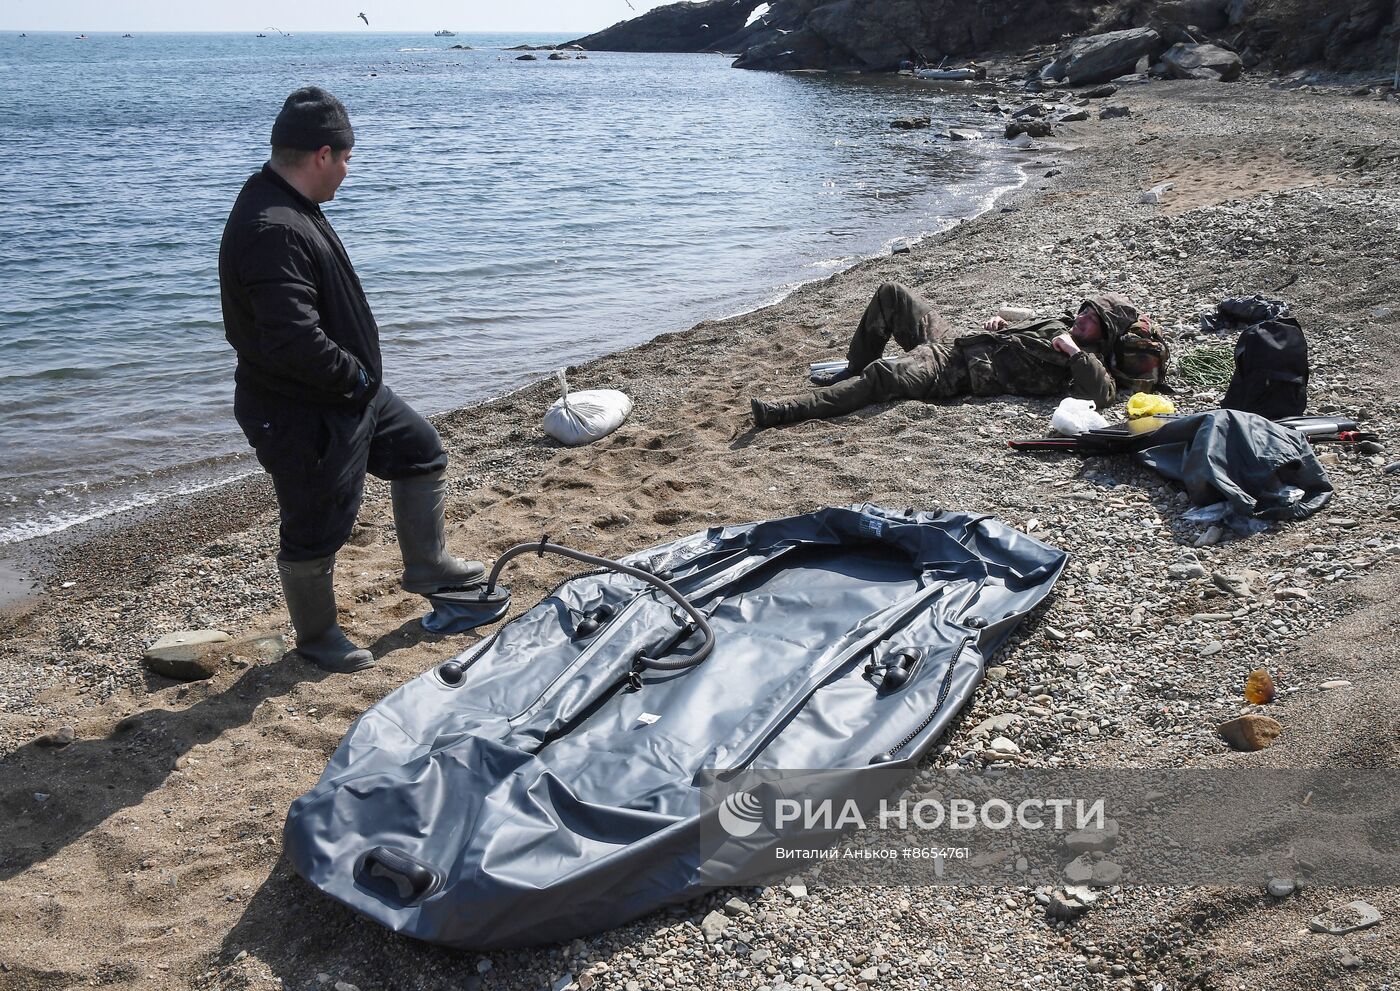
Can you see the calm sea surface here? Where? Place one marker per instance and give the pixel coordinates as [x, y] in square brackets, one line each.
[505, 217]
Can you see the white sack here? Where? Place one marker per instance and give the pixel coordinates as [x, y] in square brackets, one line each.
[1075, 416]
[583, 417]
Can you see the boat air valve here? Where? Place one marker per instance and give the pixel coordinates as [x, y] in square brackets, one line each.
[895, 668]
[451, 672]
[592, 621]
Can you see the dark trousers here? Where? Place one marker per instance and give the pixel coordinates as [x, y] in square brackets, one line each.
[318, 456]
[930, 369]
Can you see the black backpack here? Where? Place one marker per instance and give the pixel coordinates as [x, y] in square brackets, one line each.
[1271, 370]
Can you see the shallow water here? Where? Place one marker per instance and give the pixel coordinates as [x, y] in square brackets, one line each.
[505, 217]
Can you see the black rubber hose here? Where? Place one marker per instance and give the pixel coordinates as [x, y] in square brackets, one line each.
[656, 663]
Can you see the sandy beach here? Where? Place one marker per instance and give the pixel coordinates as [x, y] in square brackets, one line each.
[153, 858]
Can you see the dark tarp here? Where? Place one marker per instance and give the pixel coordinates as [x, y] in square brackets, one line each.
[541, 799]
[1261, 468]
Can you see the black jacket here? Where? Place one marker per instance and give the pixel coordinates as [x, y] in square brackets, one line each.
[294, 309]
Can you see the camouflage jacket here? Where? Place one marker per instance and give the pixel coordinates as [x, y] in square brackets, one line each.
[1021, 361]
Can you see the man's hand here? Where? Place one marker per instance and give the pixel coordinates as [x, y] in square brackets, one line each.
[1064, 344]
[995, 324]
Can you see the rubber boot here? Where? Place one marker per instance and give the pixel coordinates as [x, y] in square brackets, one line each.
[767, 415]
[823, 379]
[309, 587]
[418, 517]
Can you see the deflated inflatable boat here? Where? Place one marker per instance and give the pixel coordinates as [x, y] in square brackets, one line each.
[544, 786]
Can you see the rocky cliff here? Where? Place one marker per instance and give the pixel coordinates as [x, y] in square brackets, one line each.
[879, 34]
[709, 26]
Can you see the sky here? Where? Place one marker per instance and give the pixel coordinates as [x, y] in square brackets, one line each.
[564, 16]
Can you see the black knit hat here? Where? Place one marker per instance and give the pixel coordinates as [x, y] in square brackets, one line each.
[310, 120]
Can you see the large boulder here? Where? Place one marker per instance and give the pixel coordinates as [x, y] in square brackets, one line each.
[1202, 62]
[1101, 57]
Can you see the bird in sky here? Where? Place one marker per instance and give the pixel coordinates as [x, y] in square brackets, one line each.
[365, 19]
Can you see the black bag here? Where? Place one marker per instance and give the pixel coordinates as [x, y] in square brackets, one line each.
[1271, 370]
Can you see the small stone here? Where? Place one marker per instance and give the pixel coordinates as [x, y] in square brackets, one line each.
[1236, 585]
[1350, 960]
[963, 134]
[1002, 745]
[1292, 593]
[1334, 684]
[760, 956]
[798, 891]
[564, 983]
[1210, 649]
[40, 796]
[1370, 447]
[1345, 919]
[996, 673]
[483, 965]
[1250, 732]
[1281, 887]
[1211, 617]
[1091, 840]
[1183, 572]
[60, 737]
[1082, 893]
[713, 926]
[1074, 117]
[1064, 907]
[1210, 538]
[1109, 113]
[1391, 469]
[345, 986]
[737, 907]
[190, 655]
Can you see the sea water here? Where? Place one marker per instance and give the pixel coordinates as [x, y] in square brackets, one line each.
[506, 218]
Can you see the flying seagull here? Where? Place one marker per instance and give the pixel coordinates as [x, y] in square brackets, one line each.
[365, 19]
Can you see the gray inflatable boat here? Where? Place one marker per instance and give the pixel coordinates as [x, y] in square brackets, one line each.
[546, 784]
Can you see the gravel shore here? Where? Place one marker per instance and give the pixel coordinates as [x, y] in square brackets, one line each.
[152, 859]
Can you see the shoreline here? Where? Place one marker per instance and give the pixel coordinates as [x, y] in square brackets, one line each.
[1127, 665]
[23, 567]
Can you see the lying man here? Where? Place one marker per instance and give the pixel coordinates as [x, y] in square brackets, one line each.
[1081, 355]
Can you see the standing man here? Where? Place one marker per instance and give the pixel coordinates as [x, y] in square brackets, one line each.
[308, 388]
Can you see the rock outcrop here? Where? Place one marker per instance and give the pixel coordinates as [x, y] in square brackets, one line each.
[712, 26]
[1101, 57]
[879, 34]
[1202, 62]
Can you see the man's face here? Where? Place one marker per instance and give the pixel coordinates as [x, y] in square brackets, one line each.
[1087, 331]
[331, 167]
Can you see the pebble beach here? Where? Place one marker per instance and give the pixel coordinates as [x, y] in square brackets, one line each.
[152, 858]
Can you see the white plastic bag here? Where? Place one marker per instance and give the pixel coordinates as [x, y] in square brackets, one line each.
[1075, 416]
[584, 417]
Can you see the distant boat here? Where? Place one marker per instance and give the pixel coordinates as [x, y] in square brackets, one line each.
[126, 36]
[81, 37]
[444, 33]
[262, 36]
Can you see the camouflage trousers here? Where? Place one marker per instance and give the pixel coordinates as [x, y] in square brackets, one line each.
[931, 368]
